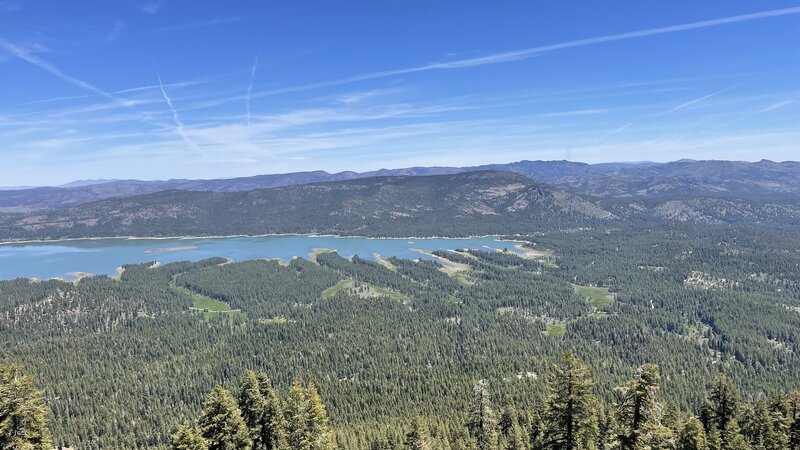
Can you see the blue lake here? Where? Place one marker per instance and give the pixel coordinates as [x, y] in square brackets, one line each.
[103, 256]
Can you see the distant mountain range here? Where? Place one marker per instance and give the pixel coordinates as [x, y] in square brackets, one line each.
[458, 204]
[467, 203]
[685, 177]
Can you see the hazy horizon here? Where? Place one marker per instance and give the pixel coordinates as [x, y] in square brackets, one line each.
[108, 180]
[159, 90]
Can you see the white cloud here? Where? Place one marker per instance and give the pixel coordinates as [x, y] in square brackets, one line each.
[116, 31]
[152, 8]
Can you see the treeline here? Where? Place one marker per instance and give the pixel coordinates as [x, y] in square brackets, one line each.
[570, 416]
[258, 419]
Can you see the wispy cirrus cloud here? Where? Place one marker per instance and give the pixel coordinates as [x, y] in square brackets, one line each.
[152, 8]
[776, 106]
[358, 97]
[9, 6]
[115, 32]
[198, 24]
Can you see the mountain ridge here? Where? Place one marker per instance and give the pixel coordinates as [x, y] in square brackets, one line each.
[461, 204]
[480, 202]
[717, 178]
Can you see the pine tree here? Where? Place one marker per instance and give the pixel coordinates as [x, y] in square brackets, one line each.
[221, 422]
[691, 435]
[306, 419]
[636, 404]
[273, 425]
[517, 438]
[731, 437]
[187, 437]
[23, 414]
[714, 439]
[296, 416]
[507, 417]
[536, 432]
[570, 416]
[514, 436]
[793, 416]
[262, 412]
[418, 438]
[758, 428]
[722, 404]
[482, 422]
[252, 404]
[781, 422]
[720, 413]
[607, 438]
[655, 436]
[320, 435]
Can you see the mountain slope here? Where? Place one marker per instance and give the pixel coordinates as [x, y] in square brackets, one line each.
[460, 204]
[719, 178]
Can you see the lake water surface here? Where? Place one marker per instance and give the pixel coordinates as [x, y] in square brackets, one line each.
[65, 259]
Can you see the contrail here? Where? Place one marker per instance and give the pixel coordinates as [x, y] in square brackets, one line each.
[613, 132]
[250, 89]
[528, 52]
[531, 52]
[24, 55]
[703, 98]
[175, 116]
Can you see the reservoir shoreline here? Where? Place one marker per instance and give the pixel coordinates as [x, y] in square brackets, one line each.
[232, 236]
[47, 259]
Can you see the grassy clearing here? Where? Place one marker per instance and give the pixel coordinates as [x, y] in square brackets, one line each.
[462, 279]
[453, 300]
[204, 303]
[363, 290]
[377, 291]
[347, 283]
[545, 257]
[279, 320]
[557, 329]
[598, 297]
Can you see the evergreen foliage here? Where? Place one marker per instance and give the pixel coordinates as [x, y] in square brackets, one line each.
[122, 360]
[221, 422]
[571, 409]
[23, 414]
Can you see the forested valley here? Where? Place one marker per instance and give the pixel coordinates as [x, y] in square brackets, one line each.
[392, 343]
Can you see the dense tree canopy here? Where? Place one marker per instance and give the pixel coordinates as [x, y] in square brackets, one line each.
[123, 360]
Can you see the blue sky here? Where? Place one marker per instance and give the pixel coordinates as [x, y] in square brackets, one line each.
[207, 89]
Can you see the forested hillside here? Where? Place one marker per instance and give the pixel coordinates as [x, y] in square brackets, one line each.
[696, 178]
[122, 360]
[463, 204]
[473, 203]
